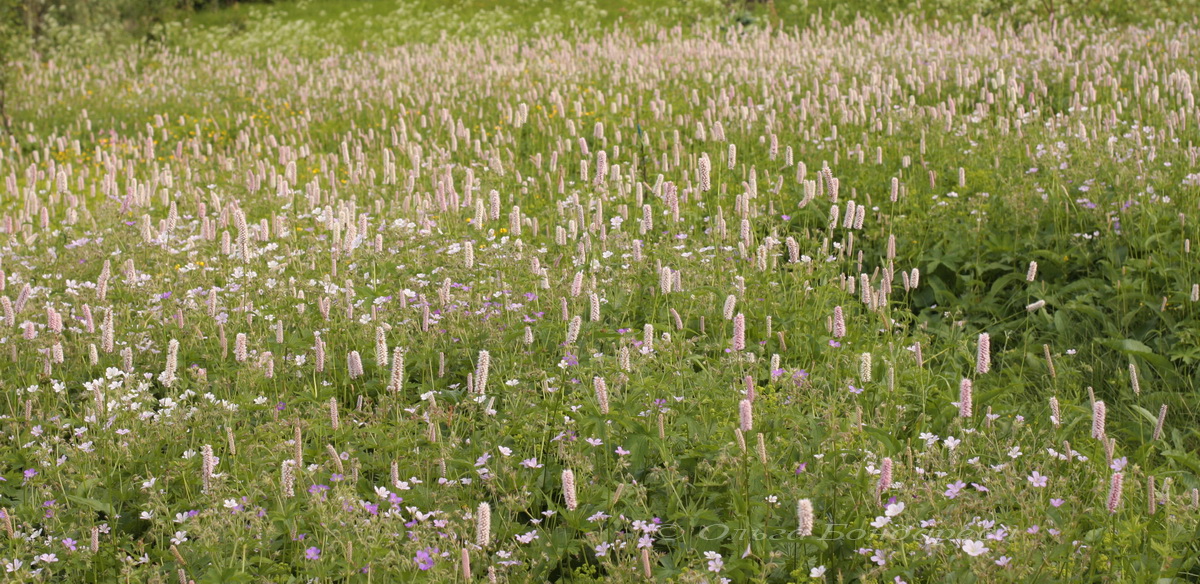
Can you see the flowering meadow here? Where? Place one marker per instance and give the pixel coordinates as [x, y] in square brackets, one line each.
[863, 301]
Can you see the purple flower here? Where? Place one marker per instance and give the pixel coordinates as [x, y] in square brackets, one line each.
[800, 469]
[1057, 502]
[954, 488]
[1037, 480]
[425, 558]
[313, 553]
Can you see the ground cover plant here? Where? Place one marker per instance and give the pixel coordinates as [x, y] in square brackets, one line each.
[865, 301]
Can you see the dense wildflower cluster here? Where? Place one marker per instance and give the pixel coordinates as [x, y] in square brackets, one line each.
[336, 318]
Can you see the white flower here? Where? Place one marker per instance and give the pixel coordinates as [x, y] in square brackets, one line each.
[974, 548]
[715, 564]
[602, 549]
[881, 521]
[179, 538]
[147, 515]
[894, 509]
[817, 572]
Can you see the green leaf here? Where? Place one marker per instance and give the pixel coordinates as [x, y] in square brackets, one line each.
[93, 504]
[1136, 348]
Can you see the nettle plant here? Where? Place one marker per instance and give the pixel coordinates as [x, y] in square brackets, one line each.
[856, 302]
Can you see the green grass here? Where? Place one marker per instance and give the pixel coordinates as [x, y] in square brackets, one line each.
[355, 24]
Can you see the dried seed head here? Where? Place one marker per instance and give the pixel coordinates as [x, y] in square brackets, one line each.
[1158, 426]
